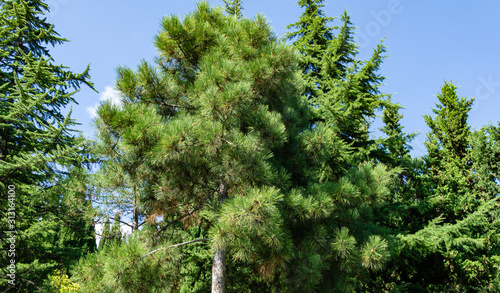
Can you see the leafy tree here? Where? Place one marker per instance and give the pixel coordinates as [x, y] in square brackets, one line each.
[41, 157]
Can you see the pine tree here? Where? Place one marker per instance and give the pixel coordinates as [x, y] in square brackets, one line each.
[123, 177]
[41, 157]
[337, 243]
[211, 119]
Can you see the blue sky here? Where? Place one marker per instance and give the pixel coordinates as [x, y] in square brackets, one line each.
[427, 43]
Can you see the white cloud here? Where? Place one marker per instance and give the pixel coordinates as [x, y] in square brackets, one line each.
[109, 94]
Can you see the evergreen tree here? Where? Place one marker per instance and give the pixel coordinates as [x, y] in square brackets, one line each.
[234, 7]
[115, 232]
[485, 154]
[41, 157]
[448, 160]
[211, 120]
[129, 267]
[313, 37]
[343, 90]
[123, 177]
[105, 234]
[397, 142]
[449, 245]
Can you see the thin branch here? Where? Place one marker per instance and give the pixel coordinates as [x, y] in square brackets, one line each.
[180, 218]
[176, 245]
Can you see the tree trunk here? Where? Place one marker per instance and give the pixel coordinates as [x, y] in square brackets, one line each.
[219, 259]
[135, 216]
[219, 271]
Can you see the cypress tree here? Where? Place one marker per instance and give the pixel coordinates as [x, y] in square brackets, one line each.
[39, 152]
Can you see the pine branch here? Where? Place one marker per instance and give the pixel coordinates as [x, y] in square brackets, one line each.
[175, 245]
[180, 218]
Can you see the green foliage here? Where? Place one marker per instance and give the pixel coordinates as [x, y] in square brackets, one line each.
[251, 226]
[343, 91]
[485, 151]
[463, 255]
[59, 282]
[337, 244]
[105, 235]
[259, 160]
[448, 160]
[216, 122]
[115, 232]
[234, 7]
[129, 267]
[450, 244]
[41, 156]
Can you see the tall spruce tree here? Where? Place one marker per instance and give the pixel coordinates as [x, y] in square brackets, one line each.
[448, 161]
[343, 90]
[450, 243]
[234, 7]
[40, 156]
[337, 204]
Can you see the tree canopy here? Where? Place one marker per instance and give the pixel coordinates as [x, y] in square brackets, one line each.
[239, 161]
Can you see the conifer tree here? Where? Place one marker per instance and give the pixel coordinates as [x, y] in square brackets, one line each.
[313, 37]
[211, 120]
[115, 232]
[41, 157]
[448, 158]
[234, 7]
[343, 90]
[122, 177]
[485, 154]
[397, 142]
[450, 242]
[105, 234]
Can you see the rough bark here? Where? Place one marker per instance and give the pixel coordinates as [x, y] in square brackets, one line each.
[219, 259]
[219, 271]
